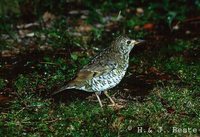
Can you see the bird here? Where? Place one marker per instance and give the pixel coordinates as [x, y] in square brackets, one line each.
[105, 70]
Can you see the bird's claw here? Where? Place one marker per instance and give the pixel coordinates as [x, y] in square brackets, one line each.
[116, 106]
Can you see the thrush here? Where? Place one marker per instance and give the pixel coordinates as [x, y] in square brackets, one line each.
[104, 71]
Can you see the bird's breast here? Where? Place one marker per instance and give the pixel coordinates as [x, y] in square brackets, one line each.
[107, 81]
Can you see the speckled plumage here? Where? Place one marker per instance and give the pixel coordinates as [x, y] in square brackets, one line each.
[106, 70]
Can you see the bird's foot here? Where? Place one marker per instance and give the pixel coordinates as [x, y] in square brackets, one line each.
[116, 106]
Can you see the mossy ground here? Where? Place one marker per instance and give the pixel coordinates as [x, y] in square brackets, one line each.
[159, 93]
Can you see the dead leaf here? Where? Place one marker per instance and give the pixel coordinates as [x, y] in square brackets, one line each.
[176, 27]
[111, 25]
[32, 34]
[6, 53]
[46, 48]
[148, 26]
[172, 122]
[75, 12]
[84, 28]
[153, 70]
[26, 26]
[165, 77]
[137, 28]
[139, 11]
[151, 81]
[4, 99]
[48, 17]
[25, 33]
[41, 86]
[118, 123]
[170, 110]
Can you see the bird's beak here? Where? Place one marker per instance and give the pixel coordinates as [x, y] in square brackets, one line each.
[139, 41]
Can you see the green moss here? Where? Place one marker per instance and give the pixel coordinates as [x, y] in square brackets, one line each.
[2, 84]
[173, 102]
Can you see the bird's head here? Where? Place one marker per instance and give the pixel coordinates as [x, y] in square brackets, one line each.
[124, 44]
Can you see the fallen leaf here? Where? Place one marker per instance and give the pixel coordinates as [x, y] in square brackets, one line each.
[118, 123]
[25, 26]
[46, 48]
[111, 25]
[153, 70]
[6, 53]
[148, 26]
[75, 12]
[4, 99]
[137, 27]
[84, 28]
[48, 17]
[170, 110]
[23, 33]
[30, 34]
[139, 11]
[41, 86]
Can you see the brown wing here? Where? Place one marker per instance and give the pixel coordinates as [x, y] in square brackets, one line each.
[91, 71]
[81, 77]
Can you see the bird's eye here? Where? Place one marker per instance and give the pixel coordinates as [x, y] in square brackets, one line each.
[128, 42]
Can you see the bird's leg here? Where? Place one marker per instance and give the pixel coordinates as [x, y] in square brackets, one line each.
[99, 99]
[113, 102]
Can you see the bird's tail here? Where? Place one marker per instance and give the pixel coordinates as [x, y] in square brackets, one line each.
[62, 89]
